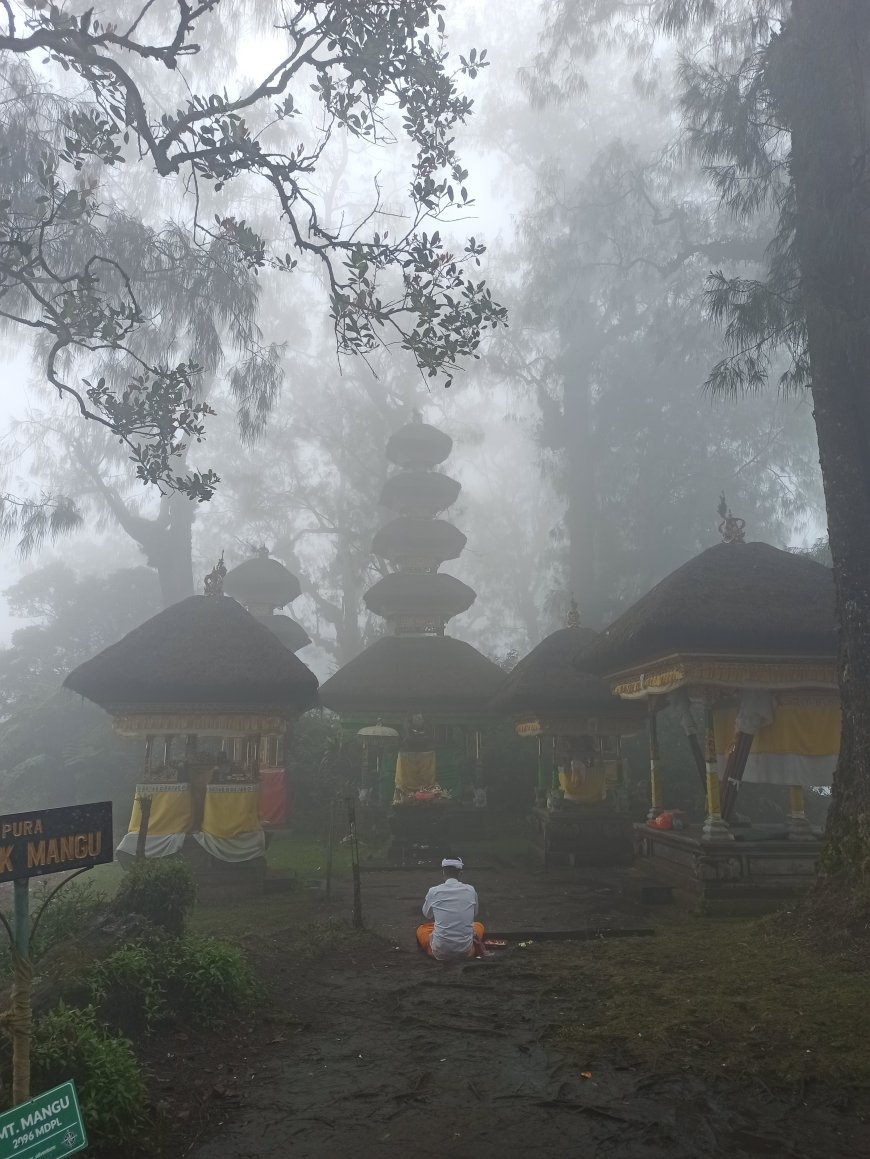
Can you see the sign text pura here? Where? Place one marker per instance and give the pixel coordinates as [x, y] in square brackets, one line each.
[55, 840]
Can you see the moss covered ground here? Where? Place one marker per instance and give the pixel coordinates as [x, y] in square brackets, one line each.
[743, 998]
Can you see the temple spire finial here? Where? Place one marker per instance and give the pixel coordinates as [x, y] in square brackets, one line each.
[731, 528]
[214, 581]
[572, 620]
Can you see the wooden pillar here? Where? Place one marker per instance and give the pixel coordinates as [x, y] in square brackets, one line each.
[715, 828]
[364, 779]
[541, 786]
[655, 783]
[735, 767]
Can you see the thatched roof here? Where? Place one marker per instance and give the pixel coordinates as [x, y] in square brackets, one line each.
[416, 537]
[413, 593]
[205, 650]
[262, 581]
[419, 492]
[547, 681]
[732, 599]
[285, 629]
[415, 674]
[418, 445]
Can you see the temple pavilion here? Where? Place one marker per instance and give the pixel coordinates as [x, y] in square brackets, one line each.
[740, 643]
[577, 722]
[433, 690]
[204, 685]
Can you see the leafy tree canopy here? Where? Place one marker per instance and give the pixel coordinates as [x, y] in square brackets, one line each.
[81, 100]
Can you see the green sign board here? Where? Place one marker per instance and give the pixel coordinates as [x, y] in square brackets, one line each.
[47, 1127]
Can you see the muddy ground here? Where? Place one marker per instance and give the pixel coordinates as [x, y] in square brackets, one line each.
[375, 1051]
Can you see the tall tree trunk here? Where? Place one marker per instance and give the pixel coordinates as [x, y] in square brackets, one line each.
[581, 514]
[826, 93]
[348, 636]
[171, 552]
[166, 541]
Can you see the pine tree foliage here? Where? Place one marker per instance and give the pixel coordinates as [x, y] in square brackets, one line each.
[623, 231]
[735, 126]
[33, 521]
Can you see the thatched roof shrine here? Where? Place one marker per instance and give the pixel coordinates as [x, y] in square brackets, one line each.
[262, 581]
[547, 681]
[412, 674]
[417, 445]
[291, 634]
[203, 651]
[734, 599]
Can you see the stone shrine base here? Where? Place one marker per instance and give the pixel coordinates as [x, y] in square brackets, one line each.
[760, 869]
[581, 835]
[423, 833]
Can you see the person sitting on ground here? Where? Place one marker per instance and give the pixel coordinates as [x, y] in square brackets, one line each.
[451, 907]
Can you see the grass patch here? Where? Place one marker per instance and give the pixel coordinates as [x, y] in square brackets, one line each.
[734, 998]
[305, 855]
[325, 936]
[267, 914]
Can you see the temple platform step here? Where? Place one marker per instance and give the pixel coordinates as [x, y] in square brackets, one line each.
[759, 870]
[574, 836]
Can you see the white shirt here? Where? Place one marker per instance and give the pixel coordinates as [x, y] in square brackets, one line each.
[453, 906]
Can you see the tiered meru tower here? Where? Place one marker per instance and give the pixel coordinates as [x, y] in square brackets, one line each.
[433, 689]
[263, 585]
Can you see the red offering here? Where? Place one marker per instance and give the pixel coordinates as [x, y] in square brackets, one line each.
[670, 819]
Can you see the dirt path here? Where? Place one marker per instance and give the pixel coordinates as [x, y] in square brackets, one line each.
[399, 1056]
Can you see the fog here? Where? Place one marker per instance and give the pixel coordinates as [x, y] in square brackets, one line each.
[591, 455]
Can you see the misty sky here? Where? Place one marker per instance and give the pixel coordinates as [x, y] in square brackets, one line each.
[503, 190]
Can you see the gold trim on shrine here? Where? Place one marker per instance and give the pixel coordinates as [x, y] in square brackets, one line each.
[204, 723]
[615, 724]
[676, 671]
[529, 728]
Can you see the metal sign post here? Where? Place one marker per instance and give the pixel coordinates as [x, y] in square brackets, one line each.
[31, 845]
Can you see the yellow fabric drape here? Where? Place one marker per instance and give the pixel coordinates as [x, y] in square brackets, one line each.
[415, 771]
[231, 810]
[586, 786]
[796, 730]
[798, 746]
[171, 810]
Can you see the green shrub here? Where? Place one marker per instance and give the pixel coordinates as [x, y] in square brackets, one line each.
[205, 976]
[143, 984]
[163, 891]
[128, 990]
[70, 1044]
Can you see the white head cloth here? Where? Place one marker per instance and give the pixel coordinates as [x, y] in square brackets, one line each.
[451, 863]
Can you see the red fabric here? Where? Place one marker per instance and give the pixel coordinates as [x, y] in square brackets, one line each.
[273, 797]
